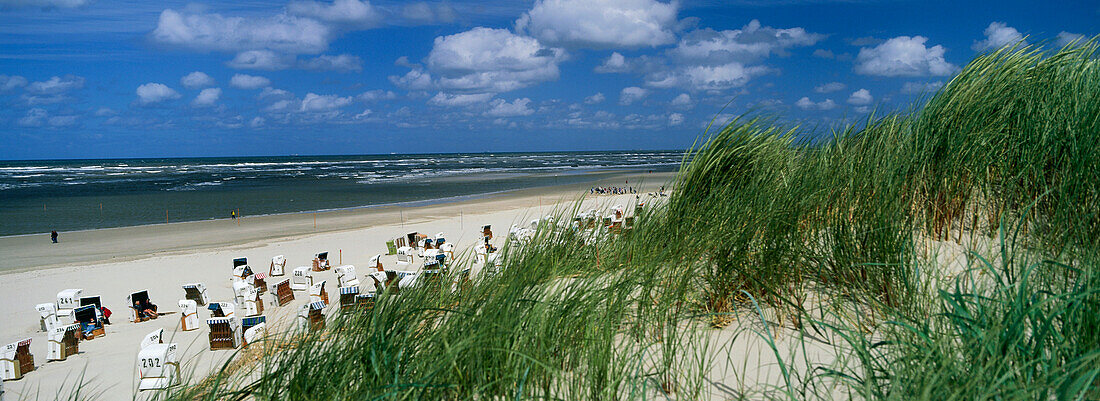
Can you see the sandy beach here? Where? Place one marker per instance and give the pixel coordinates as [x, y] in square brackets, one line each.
[112, 263]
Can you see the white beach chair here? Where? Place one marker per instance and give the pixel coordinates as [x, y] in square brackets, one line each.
[449, 250]
[242, 273]
[89, 315]
[222, 309]
[278, 265]
[380, 279]
[432, 259]
[67, 300]
[158, 366]
[317, 293]
[347, 297]
[189, 315]
[376, 260]
[255, 333]
[155, 337]
[248, 299]
[16, 360]
[480, 253]
[346, 276]
[62, 342]
[301, 278]
[48, 316]
[137, 296]
[196, 292]
[405, 257]
[95, 301]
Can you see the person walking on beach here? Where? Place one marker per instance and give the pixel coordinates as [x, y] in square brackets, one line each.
[53, 236]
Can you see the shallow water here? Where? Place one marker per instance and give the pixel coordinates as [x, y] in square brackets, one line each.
[66, 195]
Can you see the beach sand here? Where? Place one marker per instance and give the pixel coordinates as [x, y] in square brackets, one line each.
[113, 263]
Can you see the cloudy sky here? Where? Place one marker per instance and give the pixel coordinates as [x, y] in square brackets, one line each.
[100, 78]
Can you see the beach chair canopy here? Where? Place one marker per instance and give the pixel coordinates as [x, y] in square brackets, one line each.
[376, 260]
[278, 260]
[322, 256]
[188, 306]
[240, 262]
[69, 299]
[158, 367]
[87, 313]
[140, 296]
[85, 301]
[302, 271]
[156, 337]
[46, 310]
[244, 291]
[196, 292]
[255, 333]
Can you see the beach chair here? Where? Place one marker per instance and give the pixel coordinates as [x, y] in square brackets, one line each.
[248, 299]
[365, 302]
[320, 262]
[248, 323]
[440, 239]
[281, 293]
[155, 337]
[242, 273]
[255, 333]
[222, 309]
[628, 222]
[434, 259]
[158, 366]
[67, 300]
[85, 314]
[480, 253]
[346, 276]
[48, 316]
[380, 280]
[196, 292]
[278, 265]
[301, 279]
[317, 293]
[406, 279]
[62, 342]
[311, 317]
[225, 333]
[347, 297]
[404, 257]
[139, 296]
[189, 315]
[259, 280]
[449, 250]
[16, 360]
[376, 261]
[391, 247]
[237, 262]
[487, 231]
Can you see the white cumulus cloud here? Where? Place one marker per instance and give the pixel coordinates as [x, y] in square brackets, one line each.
[196, 80]
[501, 108]
[675, 119]
[806, 104]
[1064, 38]
[314, 102]
[903, 56]
[8, 83]
[486, 60]
[339, 63]
[595, 99]
[376, 95]
[632, 94]
[998, 35]
[205, 32]
[207, 97]
[452, 100]
[750, 43]
[861, 97]
[681, 100]
[355, 13]
[614, 63]
[56, 85]
[155, 92]
[260, 60]
[601, 23]
[244, 81]
[706, 77]
[830, 87]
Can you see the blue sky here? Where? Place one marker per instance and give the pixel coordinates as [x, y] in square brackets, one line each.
[96, 78]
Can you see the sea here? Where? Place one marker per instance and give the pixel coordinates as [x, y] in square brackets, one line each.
[40, 196]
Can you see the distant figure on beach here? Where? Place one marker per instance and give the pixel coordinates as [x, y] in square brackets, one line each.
[53, 236]
[233, 215]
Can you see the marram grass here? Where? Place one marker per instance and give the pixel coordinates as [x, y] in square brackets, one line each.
[1003, 162]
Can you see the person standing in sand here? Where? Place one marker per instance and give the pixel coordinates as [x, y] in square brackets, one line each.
[53, 236]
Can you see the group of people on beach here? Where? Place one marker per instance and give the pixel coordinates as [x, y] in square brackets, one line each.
[612, 190]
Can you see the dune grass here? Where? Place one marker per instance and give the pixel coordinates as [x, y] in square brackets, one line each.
[1002, 162]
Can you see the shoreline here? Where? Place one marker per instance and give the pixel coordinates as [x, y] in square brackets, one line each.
[26, 252]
